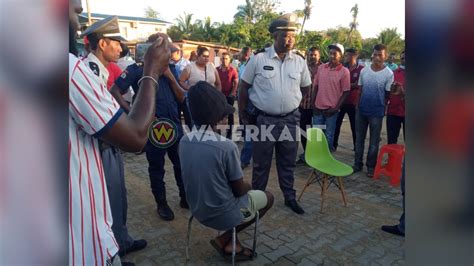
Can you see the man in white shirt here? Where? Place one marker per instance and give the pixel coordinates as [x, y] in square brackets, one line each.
[375, 82]
[277, 77]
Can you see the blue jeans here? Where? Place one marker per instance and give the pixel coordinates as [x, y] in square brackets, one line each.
[330, 123]
[362, 123]
[246, 153]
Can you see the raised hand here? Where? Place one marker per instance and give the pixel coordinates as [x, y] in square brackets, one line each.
[157, 56]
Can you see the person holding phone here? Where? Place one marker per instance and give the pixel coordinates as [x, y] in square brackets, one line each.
[94, 115]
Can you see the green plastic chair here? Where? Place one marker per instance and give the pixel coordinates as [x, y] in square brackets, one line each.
[318, 156]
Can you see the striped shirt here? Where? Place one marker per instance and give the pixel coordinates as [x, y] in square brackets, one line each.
[306, 101]
[92, 110]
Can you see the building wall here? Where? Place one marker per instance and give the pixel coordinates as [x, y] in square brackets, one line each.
[139, 31]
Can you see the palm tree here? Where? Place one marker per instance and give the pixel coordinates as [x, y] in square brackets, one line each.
[392, 39]
[323, 48]
[300, 14]
[151, 13]
[185, 25]
[206, 29]
[246, 12]
[209, 28]
[306, 12]
[353, 25]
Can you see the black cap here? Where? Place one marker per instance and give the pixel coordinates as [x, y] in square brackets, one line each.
[352, 51]
[208, 106]
[105, 28]
[285, 22]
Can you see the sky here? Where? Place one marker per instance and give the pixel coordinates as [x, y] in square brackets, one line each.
[374, 15]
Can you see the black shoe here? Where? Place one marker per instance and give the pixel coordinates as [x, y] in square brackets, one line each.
[392, 229]
[128, 264]
[356, 169]
[370, 172]
[136, 246]
[294, 206]
[165, 212]
[183, 203]
[300, 161]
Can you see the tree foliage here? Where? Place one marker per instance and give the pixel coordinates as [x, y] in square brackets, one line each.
[392, 39]
[250, 28]
[151, 13]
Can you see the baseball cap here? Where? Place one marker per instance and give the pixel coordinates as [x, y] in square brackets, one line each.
[337, 46]
[208, 106]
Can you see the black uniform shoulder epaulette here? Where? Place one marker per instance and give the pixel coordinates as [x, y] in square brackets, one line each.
[300, 54]
[259, 51]
[95, 68]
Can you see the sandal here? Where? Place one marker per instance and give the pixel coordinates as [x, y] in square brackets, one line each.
[217, 247]
[241, 256]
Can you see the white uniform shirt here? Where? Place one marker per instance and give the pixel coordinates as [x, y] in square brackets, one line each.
[92, 110]
[276, 84]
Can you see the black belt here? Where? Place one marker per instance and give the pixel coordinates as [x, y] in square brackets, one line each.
[279, 116]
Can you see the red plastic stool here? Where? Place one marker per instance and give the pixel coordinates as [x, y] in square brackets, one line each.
[393, 168]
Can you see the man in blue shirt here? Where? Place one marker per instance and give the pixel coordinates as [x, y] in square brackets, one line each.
[178, 60]
[246, 153]
[168, 96]
[390, 64]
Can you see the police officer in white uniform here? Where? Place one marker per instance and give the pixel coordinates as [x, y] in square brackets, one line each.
[104, 40]
[278, 77]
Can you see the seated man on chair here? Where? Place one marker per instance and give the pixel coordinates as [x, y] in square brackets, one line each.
[213, 180]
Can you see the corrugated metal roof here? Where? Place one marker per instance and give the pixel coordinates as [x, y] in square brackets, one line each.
[97, 15]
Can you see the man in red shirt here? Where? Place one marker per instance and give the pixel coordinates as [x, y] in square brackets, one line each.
[396, 104]
[229, 81]
[331, 87]
[349, 106]
[114, 72]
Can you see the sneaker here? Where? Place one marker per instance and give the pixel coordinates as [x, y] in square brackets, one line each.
[294, 206]
[165, 212]
[393, 229]
[183, 203]
[136, 246]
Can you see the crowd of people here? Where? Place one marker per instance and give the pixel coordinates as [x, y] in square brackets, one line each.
[113, 99]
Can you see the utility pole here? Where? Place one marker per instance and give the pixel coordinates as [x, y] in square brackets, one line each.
[89, 22]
